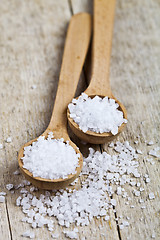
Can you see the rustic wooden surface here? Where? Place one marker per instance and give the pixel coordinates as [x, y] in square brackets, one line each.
[31, 46]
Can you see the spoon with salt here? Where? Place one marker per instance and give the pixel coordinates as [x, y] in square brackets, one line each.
[76, 46]
[99, 84]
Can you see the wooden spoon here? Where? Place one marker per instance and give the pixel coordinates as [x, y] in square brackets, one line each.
[76, 46]
[100, 84]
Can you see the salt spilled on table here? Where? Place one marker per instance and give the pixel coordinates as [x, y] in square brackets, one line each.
[50, 158]
[96, 114]
[102, 173]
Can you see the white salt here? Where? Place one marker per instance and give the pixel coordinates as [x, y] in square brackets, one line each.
[2, 199]
[139, 151]
[33, 86]
[55, 236]
[50, 158]
[9, 186]
[103, 173]
[17, 172]
[150, 143]
[28, 234]
[154, 153]
[1, 146]
[3, 193]
[97, 114]
[9, 140]
[151, 196]
[71, 234]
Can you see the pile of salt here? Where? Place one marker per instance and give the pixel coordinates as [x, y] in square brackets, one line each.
[97, 115]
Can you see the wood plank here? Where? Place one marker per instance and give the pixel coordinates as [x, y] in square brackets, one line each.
[102, 228]
[31, 51]
[134, 80]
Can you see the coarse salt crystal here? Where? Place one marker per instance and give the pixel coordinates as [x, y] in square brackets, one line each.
[56, 236]
[151, 196]
[33, 86]
[153, 153]
[9, 186]
[17, 172]
[3, 193]
[2, 199]
[28, 234]
[147, 180]
[9, 140]
[1, 146]
[139, 151]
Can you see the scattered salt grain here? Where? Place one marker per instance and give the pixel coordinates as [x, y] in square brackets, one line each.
[150, 143]
[1, 146]
[34, 86]
[28, 234]
[106, 218]
[151, 196]
[9, 186]
[17, 172]
[139, 151]
[2, 199]
[3, 193]
[50, 158]
[103, 173]
[153, 235]
[113, 202]
[96, 114]
[55, 236]
[9, 140]
[153, 153]
[71, 234]
[143, 207]
[137, 193]
[147, 180]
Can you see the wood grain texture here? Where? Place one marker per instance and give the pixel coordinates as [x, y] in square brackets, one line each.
[31, 47]
[134, 80]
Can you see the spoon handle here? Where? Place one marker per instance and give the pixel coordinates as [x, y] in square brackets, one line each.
[101, 48]
[75, 50]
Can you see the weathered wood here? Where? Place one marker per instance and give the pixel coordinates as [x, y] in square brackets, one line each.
[31, 46]
[134, 79]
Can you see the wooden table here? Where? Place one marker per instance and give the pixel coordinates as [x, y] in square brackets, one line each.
[31, 46]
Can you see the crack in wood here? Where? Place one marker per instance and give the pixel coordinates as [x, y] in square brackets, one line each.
[9, 224]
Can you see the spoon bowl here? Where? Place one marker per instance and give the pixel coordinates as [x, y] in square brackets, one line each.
[93, 137]
[76, 46]
[49, 184]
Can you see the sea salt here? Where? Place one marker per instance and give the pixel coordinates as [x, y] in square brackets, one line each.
[55, 236]
[50, 158]
[154, 153]
[9, 140]
[33, 86]
[151, 196]
[2, 199]
[102, 176]
[9, 186]
[17, 172]
[71, 234]
[28, 234]
[3, 193]
[1, 146]
[97, 114]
